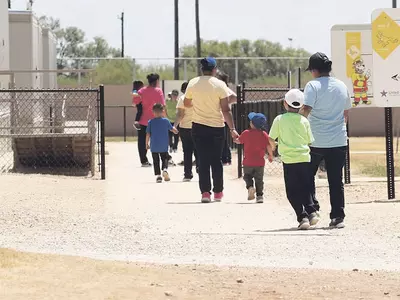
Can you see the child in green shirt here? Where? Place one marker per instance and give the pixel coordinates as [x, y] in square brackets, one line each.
[171, 114]
[294, 137]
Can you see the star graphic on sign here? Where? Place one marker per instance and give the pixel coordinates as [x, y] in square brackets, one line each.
[384, 93]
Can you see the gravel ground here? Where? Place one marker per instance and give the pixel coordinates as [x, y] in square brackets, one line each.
[130, 217]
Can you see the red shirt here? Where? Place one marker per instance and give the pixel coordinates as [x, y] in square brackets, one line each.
[148, 96]
[255, 146]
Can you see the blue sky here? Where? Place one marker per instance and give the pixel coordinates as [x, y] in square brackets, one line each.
[149, 25]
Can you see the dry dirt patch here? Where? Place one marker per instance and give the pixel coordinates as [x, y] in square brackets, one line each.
[35, 276]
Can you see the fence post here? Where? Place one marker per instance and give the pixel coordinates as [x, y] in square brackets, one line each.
[185, 77]
[347, 177]
[389, 153]
[102, 134]
[124, 118]
[237, 72]
[238, 127]
[299, 77]
[289, 79]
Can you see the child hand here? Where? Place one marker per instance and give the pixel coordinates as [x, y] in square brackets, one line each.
[147, 146]
[270, 158]
[237, 141]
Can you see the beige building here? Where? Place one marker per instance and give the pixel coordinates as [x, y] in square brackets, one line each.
[363, 121]
[26, 48]
[49, 58]
[4, 43]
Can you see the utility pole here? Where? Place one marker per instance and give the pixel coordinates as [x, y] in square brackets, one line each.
[122, 18]
[394, 3]
[9, 4]
[176, 62]
[198, 39]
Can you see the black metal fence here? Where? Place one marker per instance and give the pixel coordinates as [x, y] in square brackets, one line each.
[52, 131]
[268, 101]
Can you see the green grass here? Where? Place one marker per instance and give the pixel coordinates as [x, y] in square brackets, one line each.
[372, 165]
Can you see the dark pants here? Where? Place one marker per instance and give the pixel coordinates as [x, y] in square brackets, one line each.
[334, 162]
[156, 162]
[298, 188]
[209, 142]
[256, 173]
[188, 151]
[173, 139]
[142, 144]
[226, 152]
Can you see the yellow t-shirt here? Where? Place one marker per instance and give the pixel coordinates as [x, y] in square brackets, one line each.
[206, 93]
[187, 117]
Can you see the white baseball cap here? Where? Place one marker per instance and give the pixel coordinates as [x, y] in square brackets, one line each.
[295, 98]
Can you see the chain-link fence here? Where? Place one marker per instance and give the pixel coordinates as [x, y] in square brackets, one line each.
[51, 131]
[264, 100]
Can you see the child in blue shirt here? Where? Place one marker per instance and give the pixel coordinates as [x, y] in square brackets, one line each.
[157, 140]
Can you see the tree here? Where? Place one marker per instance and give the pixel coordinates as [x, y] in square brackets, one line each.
[249, 70]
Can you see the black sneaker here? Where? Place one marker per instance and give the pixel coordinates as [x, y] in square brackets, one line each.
[159, 179]
[146, 165]
[337, 223]
[304, 224]
[182, 163]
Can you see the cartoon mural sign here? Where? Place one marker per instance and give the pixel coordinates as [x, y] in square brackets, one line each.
[386, 55]
[352, 61]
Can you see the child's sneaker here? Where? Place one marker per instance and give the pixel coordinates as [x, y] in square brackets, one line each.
[159, 179]
[166, 175]
[146, 165]
[260, 199]
[314, 219]
[304, 224]
[187, 179]
[337, 223]
[251, 193]
[218, 197]
[205, 198]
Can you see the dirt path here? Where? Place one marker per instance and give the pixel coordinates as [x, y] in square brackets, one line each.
[43, 277]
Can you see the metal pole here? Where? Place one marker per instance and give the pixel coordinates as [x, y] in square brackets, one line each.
[79, 73]
[289, 79]
[176, 62]
[394, 3]
[299, 77]
[102, 134]
[389, 152]
[236, 72]
[122, 34]
[238, 121]
[198, 39]
[185, 70]
[347, 173]
[124, 119]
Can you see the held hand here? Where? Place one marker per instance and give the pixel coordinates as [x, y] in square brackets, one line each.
[174, 130]
[147, 146]
[237, 141]
[234, 134]
[270, 158]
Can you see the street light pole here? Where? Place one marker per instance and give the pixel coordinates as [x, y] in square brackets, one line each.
[198, 39]
[176, 63]
[122, 18]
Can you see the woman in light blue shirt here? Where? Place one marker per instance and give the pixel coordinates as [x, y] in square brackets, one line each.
[327, 103]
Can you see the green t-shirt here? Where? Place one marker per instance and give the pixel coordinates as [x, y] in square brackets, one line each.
[171, 109]
[294, 136]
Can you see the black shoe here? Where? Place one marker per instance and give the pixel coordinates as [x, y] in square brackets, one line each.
[146, 165]
[182, 163]
[337, 223]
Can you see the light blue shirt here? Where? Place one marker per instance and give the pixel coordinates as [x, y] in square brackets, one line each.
[329, 98]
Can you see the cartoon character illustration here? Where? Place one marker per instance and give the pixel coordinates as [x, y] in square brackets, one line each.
[384, 40]
[360, 82]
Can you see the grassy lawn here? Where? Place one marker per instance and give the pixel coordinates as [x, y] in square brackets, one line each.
[369, 144]
[373, 165]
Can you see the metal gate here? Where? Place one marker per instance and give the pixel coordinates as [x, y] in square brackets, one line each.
[53, 131]
[268, 101]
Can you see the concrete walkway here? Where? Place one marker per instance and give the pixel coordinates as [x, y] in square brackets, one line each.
[130, 217]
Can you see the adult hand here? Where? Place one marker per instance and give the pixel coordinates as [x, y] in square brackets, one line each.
[270, 158]
[234, 134]
[147, 146]
[174, 130]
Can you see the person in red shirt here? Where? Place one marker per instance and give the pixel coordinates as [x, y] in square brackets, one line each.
[256, 144]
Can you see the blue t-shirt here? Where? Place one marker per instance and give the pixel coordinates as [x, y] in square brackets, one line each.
[329, 98]
[159, 134]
